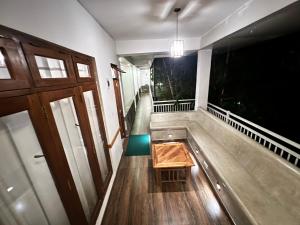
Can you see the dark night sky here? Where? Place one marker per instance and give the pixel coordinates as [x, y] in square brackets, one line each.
[261, 83]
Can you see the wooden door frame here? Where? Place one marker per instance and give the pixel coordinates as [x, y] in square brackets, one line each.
[27, 46]
[55, 159]
[46, 98]
[117, 89]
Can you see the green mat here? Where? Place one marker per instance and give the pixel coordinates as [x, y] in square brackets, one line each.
[138, 145]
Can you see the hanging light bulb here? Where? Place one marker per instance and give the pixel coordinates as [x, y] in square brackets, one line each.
[177, 45]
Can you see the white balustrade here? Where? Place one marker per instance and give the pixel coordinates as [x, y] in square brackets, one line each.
[255, 133]
[173, 105]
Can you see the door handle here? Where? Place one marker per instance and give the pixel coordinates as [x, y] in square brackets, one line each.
[38, 156]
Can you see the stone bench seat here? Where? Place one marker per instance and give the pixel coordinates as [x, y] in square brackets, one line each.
[263, 188]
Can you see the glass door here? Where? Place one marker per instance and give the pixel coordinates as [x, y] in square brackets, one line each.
[92, 103]
[66, 117]
[28, 194]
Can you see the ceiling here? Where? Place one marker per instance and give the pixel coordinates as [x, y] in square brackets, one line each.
[155, 19]
[144, 61]
[282, 22]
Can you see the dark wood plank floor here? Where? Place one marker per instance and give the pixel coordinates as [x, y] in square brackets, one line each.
[137, 200]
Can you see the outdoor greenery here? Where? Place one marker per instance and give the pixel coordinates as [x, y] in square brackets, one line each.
[174, 78]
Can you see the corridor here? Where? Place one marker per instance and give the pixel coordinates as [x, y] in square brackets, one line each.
[142, 117]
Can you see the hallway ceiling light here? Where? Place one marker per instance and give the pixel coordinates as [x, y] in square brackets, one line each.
[177, 45]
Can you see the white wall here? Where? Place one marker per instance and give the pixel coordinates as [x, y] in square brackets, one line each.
[127, 80]
[144, 77]
[249, 13]
[203, 76]
[130, 83]
[67, 23]
[136, 73]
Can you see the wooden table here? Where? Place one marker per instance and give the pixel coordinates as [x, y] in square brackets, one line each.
[171, 161]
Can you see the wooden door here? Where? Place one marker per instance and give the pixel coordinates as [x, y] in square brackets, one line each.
[117, 89]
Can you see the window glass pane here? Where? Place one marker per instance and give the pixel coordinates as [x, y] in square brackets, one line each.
[27, 192]
[83, 70]
[4, 73]
[51, 68]
[93, 119]
[76, 153]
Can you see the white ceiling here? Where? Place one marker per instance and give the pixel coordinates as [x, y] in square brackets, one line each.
[280, 23]
[155, 19]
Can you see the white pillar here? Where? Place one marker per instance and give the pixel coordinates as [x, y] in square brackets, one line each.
[203, 75]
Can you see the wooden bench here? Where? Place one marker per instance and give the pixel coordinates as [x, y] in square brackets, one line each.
[255, 185]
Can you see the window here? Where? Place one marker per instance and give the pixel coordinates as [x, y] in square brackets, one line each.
[83, 70]
[14, 73]
[51, 68]
[4, 73]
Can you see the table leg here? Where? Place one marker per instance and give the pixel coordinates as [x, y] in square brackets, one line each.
[158, 176]
[188, 172]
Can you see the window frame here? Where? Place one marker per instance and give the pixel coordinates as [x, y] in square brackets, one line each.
[16, 65]
[31, 51]
[86, 60]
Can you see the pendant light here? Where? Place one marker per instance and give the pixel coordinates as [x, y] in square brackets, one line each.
[177, 45]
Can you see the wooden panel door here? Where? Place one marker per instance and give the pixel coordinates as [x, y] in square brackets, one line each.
[14, 73]
[39, 186]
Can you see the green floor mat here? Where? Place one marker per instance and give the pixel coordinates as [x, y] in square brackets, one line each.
[138, 145]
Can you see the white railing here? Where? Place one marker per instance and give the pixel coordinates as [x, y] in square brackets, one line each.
[259, 134]
[173, 105]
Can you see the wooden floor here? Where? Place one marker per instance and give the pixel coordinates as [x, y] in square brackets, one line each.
[137, 200]
[142, 116]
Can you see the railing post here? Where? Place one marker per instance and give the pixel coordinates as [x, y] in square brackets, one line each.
[227, 116]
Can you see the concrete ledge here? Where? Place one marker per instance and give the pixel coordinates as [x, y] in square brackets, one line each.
[264, 187]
